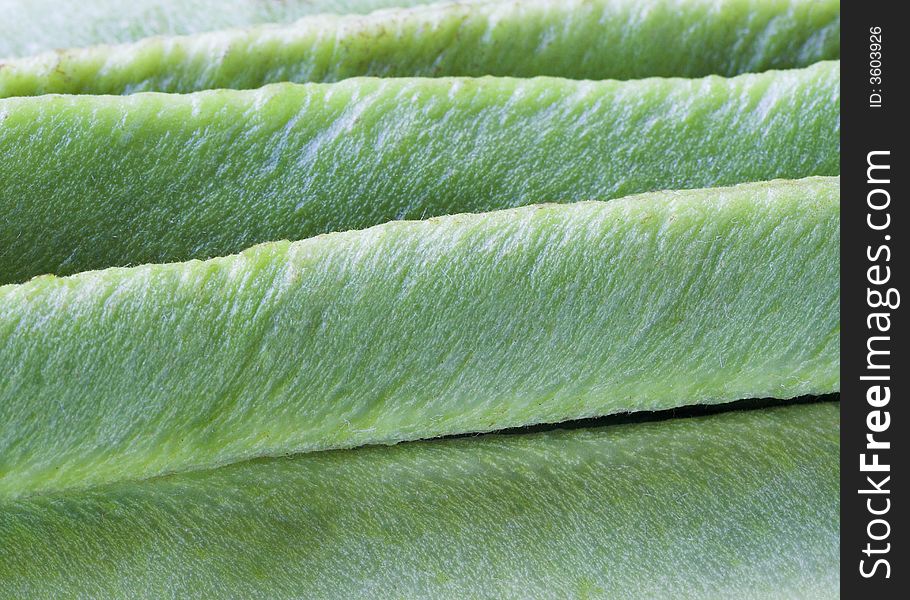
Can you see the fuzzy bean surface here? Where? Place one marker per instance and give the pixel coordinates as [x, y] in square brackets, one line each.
[89, 182]
[581, 39]
[736, 505]
[416, 329]
[33, 26]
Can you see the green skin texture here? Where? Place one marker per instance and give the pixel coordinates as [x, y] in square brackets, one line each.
[94, 182]
[415, 329]
[583, 39]
[32, 26]
[743, 504]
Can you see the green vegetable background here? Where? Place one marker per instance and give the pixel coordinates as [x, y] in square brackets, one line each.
[413, 299]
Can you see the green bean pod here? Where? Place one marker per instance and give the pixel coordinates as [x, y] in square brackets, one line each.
[94, 182]
[416, 329]
[33, 26]
[581, 39]
[736, 505]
